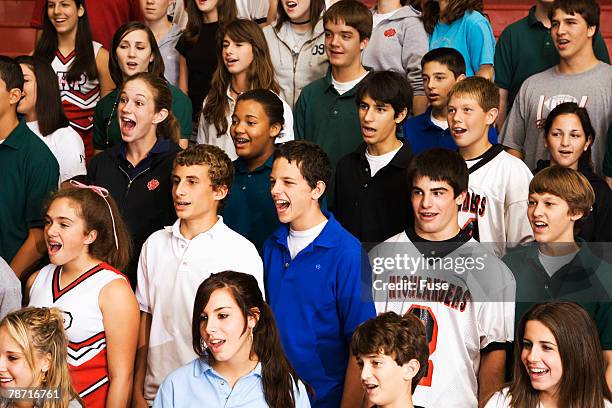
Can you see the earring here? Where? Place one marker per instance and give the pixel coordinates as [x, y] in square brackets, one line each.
[203, 345]
[252, 338]
[43, 377]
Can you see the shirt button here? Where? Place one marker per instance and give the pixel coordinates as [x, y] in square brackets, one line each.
[547, 43]
[365, 185]
[545, 286]
[286, 264]
[243, 187]
[335, 112]
[249, 176]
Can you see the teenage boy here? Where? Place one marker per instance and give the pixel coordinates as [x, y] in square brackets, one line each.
[175, 260]
[372, 189]
[463, 293]
[166, 33]
[442, 68]
[29, 173]
[317, 278]
[559, 266]
[580, 77]
[392, 352]
[325, 112]
[525, 48]
[495, 206]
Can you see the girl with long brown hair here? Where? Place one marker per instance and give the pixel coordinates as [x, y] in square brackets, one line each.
[558, 361]
[245, 65]
[238, 345]
[85, 235]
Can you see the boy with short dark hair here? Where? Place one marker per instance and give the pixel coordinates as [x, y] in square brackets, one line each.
[580, 77]
[372, 190]
[467, 307]
[495, 207]
[29, 173]
[316, 276]
[175, 260]
[559, 265]
[325, 112]
[392, 352]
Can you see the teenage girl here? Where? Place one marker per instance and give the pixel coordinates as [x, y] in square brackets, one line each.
[460, 24]
[558, 361]
[297, 46]
[135, 50]
[33, 355]
[42, 108]
[245, 65]
[85, 235]
[81, 64]
[198, 57]
[238, 346]
[256, 123]
[137, 170]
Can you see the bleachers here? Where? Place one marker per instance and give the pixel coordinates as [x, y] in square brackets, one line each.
[16, 36]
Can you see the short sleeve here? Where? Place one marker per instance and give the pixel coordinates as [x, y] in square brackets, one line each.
[182, 110]
[499, 400]
[301, 396]
[142, 276]
[514, 129]
[42, 179]
[503, 60]
[480, 42]
[287, 132]
[181, 46]
[299, 116]
[72, 155]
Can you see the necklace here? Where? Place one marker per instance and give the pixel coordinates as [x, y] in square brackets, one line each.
[235, 91]
[300, 23]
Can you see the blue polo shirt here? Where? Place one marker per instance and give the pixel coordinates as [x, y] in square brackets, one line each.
[319, 298]
[423, 134]
[249, 209]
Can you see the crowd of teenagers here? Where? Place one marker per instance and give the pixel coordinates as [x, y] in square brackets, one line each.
[306, 203]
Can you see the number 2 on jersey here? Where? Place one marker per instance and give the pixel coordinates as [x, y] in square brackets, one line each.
[431, 331]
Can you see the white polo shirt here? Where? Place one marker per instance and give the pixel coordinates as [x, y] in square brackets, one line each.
[170, 270]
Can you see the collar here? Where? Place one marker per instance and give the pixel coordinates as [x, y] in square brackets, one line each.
[161, 146]
[175, 229]
[532, 20]
[15, 139]
[401, 159]
[330, 86]
[427, 124]
[201, 366]
[328, 238]
[584, 261]
[241, 165]
[441, 248]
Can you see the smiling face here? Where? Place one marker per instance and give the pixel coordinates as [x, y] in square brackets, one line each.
[237, 56]
[251, 131]
[222, 326]
[571, 34]
[342, 44]
[193, 194]
[435, 209]
[550, 218]
[297, 10]
[540, 357]
[155, 10]
[64, 15]
[27, 104]
[566, 141]
[136, 109]
[378, 121]
[206, 6]
[15, 372]
[66, 233]
[296, 202]
[438, 81]
[384, 381]
[134, 53]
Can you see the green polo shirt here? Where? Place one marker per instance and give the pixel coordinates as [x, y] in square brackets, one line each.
[106, 126]
[525, 48]
[586, 280]
[249, 209]
[328, 119]
[29, 174]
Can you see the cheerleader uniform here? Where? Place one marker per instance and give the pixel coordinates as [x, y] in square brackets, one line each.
[83, 324]
[79, 98]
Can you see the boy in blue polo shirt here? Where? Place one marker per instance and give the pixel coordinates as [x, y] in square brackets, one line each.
[317, 278]
[442, 68]
[29, 173]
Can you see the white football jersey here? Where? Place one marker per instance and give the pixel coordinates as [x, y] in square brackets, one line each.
[495, 207]
[464, 309]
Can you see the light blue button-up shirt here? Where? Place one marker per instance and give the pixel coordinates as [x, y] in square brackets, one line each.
[198, 385]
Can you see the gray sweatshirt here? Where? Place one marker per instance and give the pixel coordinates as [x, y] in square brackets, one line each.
[397, 44]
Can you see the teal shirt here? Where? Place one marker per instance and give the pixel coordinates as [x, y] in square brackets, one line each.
[525, 48]
[586, 280]
[29, 174]
[249, 209]
[328, 119]
[106, 131]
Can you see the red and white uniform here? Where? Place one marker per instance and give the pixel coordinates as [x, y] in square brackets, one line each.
[475, 310]
[79, 98]
[83, 324]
